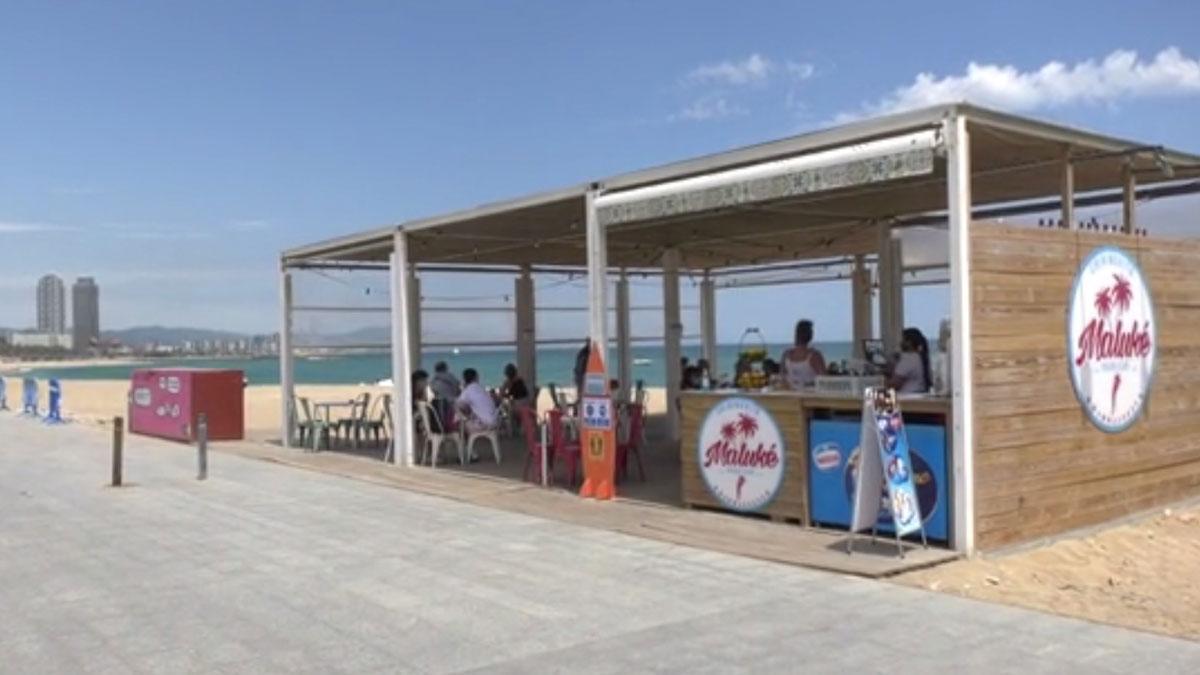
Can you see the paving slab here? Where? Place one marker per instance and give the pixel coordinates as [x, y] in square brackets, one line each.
[266, 568]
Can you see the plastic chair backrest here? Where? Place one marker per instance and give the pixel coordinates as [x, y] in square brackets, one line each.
[558, 436]
[426, 411]
[385, 415]
[306, 409]
[361, 404]
[555, 398]
[528, 425]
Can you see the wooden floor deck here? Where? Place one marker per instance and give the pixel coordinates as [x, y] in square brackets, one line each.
[643, 509]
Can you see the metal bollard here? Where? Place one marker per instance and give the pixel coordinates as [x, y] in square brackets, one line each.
[202, 447]
[118, 450]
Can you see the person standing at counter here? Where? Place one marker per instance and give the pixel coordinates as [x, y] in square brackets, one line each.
[801, 365]
[910, 374]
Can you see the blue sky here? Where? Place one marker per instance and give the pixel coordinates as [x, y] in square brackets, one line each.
[171, 150]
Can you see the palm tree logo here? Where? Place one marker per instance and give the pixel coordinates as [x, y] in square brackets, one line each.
[746, 425]
[1104, 302]
[1122, 293]
[729, 432]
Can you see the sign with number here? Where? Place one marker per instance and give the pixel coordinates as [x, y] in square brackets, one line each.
[597, 413]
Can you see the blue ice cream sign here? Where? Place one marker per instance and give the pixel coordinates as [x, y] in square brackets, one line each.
[897, 472]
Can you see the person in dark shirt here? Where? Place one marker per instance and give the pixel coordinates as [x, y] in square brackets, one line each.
[514, 388]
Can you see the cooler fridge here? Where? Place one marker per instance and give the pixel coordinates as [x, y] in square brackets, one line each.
[833, 463]
[166, 403]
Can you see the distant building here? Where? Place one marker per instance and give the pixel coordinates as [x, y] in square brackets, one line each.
[42, 340]
[51, 305]
[85, 312]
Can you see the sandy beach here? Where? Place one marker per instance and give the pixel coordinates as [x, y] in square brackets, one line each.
[1140, 575]
[96, 400]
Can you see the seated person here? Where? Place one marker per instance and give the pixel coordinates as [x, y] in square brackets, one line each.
[910, 374]
[444, 384]
[420, 383]
[476, 406]
[514, 388]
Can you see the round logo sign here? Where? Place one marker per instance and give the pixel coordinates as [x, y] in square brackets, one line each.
[741, 455]
[1111, 338]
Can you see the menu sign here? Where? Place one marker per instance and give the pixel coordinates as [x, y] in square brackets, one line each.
[1111, 339]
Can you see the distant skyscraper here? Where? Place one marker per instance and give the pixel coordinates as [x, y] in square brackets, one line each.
[51, 305]
[85, 310]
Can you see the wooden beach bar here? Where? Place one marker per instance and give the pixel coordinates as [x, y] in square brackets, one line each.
[1070, 393]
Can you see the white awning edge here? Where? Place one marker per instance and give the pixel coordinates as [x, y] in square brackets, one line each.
[849, 166]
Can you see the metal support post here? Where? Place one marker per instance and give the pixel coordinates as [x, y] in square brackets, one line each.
[708, 323]
[958, 198]
[287, 387]
[624, 342]
[672, 323]
[402, 409]
[1068, 191]
[118, 450]
[202, 446]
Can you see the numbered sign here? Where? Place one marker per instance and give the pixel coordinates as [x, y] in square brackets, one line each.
[597, 413]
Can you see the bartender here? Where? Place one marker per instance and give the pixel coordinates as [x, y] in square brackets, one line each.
[910, 374]
[801, 365]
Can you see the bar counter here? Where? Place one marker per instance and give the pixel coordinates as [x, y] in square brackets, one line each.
[753, 485]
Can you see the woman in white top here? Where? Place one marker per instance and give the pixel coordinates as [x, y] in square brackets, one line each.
[910, 375]
[802, 364]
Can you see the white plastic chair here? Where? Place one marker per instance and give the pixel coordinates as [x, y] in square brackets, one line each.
[434, 441]
[492, 435]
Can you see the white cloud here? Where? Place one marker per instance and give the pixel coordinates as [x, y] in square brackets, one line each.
[708, 108]
[800, 71]
[754, 69]
[724, 86]
[9, 227]
[1120, 75]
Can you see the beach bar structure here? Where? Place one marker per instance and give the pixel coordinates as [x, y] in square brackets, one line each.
[1025, 455]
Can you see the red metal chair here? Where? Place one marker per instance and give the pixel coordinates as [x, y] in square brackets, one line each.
[534, 449]
[570, 451]
[633, 442]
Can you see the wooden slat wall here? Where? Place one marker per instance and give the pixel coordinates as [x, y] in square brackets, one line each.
[1041, 467]
[791, 502]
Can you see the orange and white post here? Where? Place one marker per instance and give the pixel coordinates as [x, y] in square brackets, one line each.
[599, 435]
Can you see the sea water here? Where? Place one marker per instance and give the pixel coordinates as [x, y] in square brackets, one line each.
[553, 365]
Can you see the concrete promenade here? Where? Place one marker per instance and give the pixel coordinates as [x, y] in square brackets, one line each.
[265, 568]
